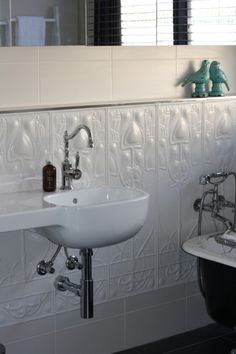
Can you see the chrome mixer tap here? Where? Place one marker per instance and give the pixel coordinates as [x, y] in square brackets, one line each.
[67, 171]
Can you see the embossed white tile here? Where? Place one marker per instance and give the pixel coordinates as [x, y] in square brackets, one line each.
[11, 258]
[169, 275]
[180, 164]
[188, 270]
[184, 149]
[178, 273]
[144, 274]
[132, 164]
[100, 256]
[130, 277]
[24, 147]
[36, 249]
[120, 252]
[100, 276]
[219, 135]
[131, 145]
[25, 309]
[67, 301]
[144, 280]
[121, 286]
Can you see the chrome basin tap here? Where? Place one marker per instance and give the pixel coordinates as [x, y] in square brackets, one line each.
[67, 171]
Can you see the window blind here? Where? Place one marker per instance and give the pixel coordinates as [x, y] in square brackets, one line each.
[212, 21]
[161, 22]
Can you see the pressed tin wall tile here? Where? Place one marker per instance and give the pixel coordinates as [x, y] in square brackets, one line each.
[12, 262]
[24, 147]
[162, 149]
[26, 308]
[219, 136]
[66, 301]
[131, 145]
[180, 164]
[132, 164]
[36, 248]
[219, 148]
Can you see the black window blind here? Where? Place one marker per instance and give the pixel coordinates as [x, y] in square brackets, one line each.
[161, 22]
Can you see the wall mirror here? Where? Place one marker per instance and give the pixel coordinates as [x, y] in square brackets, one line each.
[117, 22]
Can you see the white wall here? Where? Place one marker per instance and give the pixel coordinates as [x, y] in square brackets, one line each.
[73, 75]
[146, 288]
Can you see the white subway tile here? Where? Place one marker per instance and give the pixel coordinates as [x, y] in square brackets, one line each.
[143, 79]
[143, 53]
[74, 82]
[74, 53]
[19, 84]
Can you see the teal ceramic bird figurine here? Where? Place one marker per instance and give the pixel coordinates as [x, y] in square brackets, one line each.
[200, 78]
[218, 78]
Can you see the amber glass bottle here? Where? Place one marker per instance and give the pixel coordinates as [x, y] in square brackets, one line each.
[49, 177]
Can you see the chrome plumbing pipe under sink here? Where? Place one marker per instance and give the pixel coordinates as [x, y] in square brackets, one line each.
[86, 284]
[85, 288]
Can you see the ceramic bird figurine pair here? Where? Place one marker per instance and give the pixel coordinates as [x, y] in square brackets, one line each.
[202, 77]
[218, 78]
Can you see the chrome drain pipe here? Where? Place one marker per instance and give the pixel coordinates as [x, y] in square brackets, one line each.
[85, 288]
[86, 284]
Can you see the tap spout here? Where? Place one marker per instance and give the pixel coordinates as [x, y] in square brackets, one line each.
[76, 131]
[68, 173]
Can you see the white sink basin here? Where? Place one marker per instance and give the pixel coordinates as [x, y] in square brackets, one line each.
[98, 217]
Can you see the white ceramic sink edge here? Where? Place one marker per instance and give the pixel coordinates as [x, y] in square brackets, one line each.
[206, 247]
[94, 197]
[86, 218]
[98, 217]
[30, 219]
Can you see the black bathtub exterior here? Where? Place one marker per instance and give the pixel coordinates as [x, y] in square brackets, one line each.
[218, 286]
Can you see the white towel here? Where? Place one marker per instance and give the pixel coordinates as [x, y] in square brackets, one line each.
[31, 31]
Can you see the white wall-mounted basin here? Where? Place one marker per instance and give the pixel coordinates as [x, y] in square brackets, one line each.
[98, 217]
[85, 218]
[206, 247]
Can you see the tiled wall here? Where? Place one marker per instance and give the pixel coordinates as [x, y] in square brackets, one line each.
[145, 288]
[74, 75]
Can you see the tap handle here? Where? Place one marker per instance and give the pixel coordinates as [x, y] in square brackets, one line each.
[204, 180]
[213, 178]
[77, 158]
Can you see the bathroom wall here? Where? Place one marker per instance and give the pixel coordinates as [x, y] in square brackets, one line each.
[145, 288]
[74, 75]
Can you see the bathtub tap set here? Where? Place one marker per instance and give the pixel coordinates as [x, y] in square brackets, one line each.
[216, 252]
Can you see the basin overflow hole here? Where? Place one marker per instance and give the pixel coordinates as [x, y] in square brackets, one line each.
[75, 201]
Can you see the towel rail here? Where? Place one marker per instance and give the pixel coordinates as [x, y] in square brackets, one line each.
[5, 23]
[46, 20]
[54, 20]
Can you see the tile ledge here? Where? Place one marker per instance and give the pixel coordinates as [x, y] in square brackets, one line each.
[100, 104]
